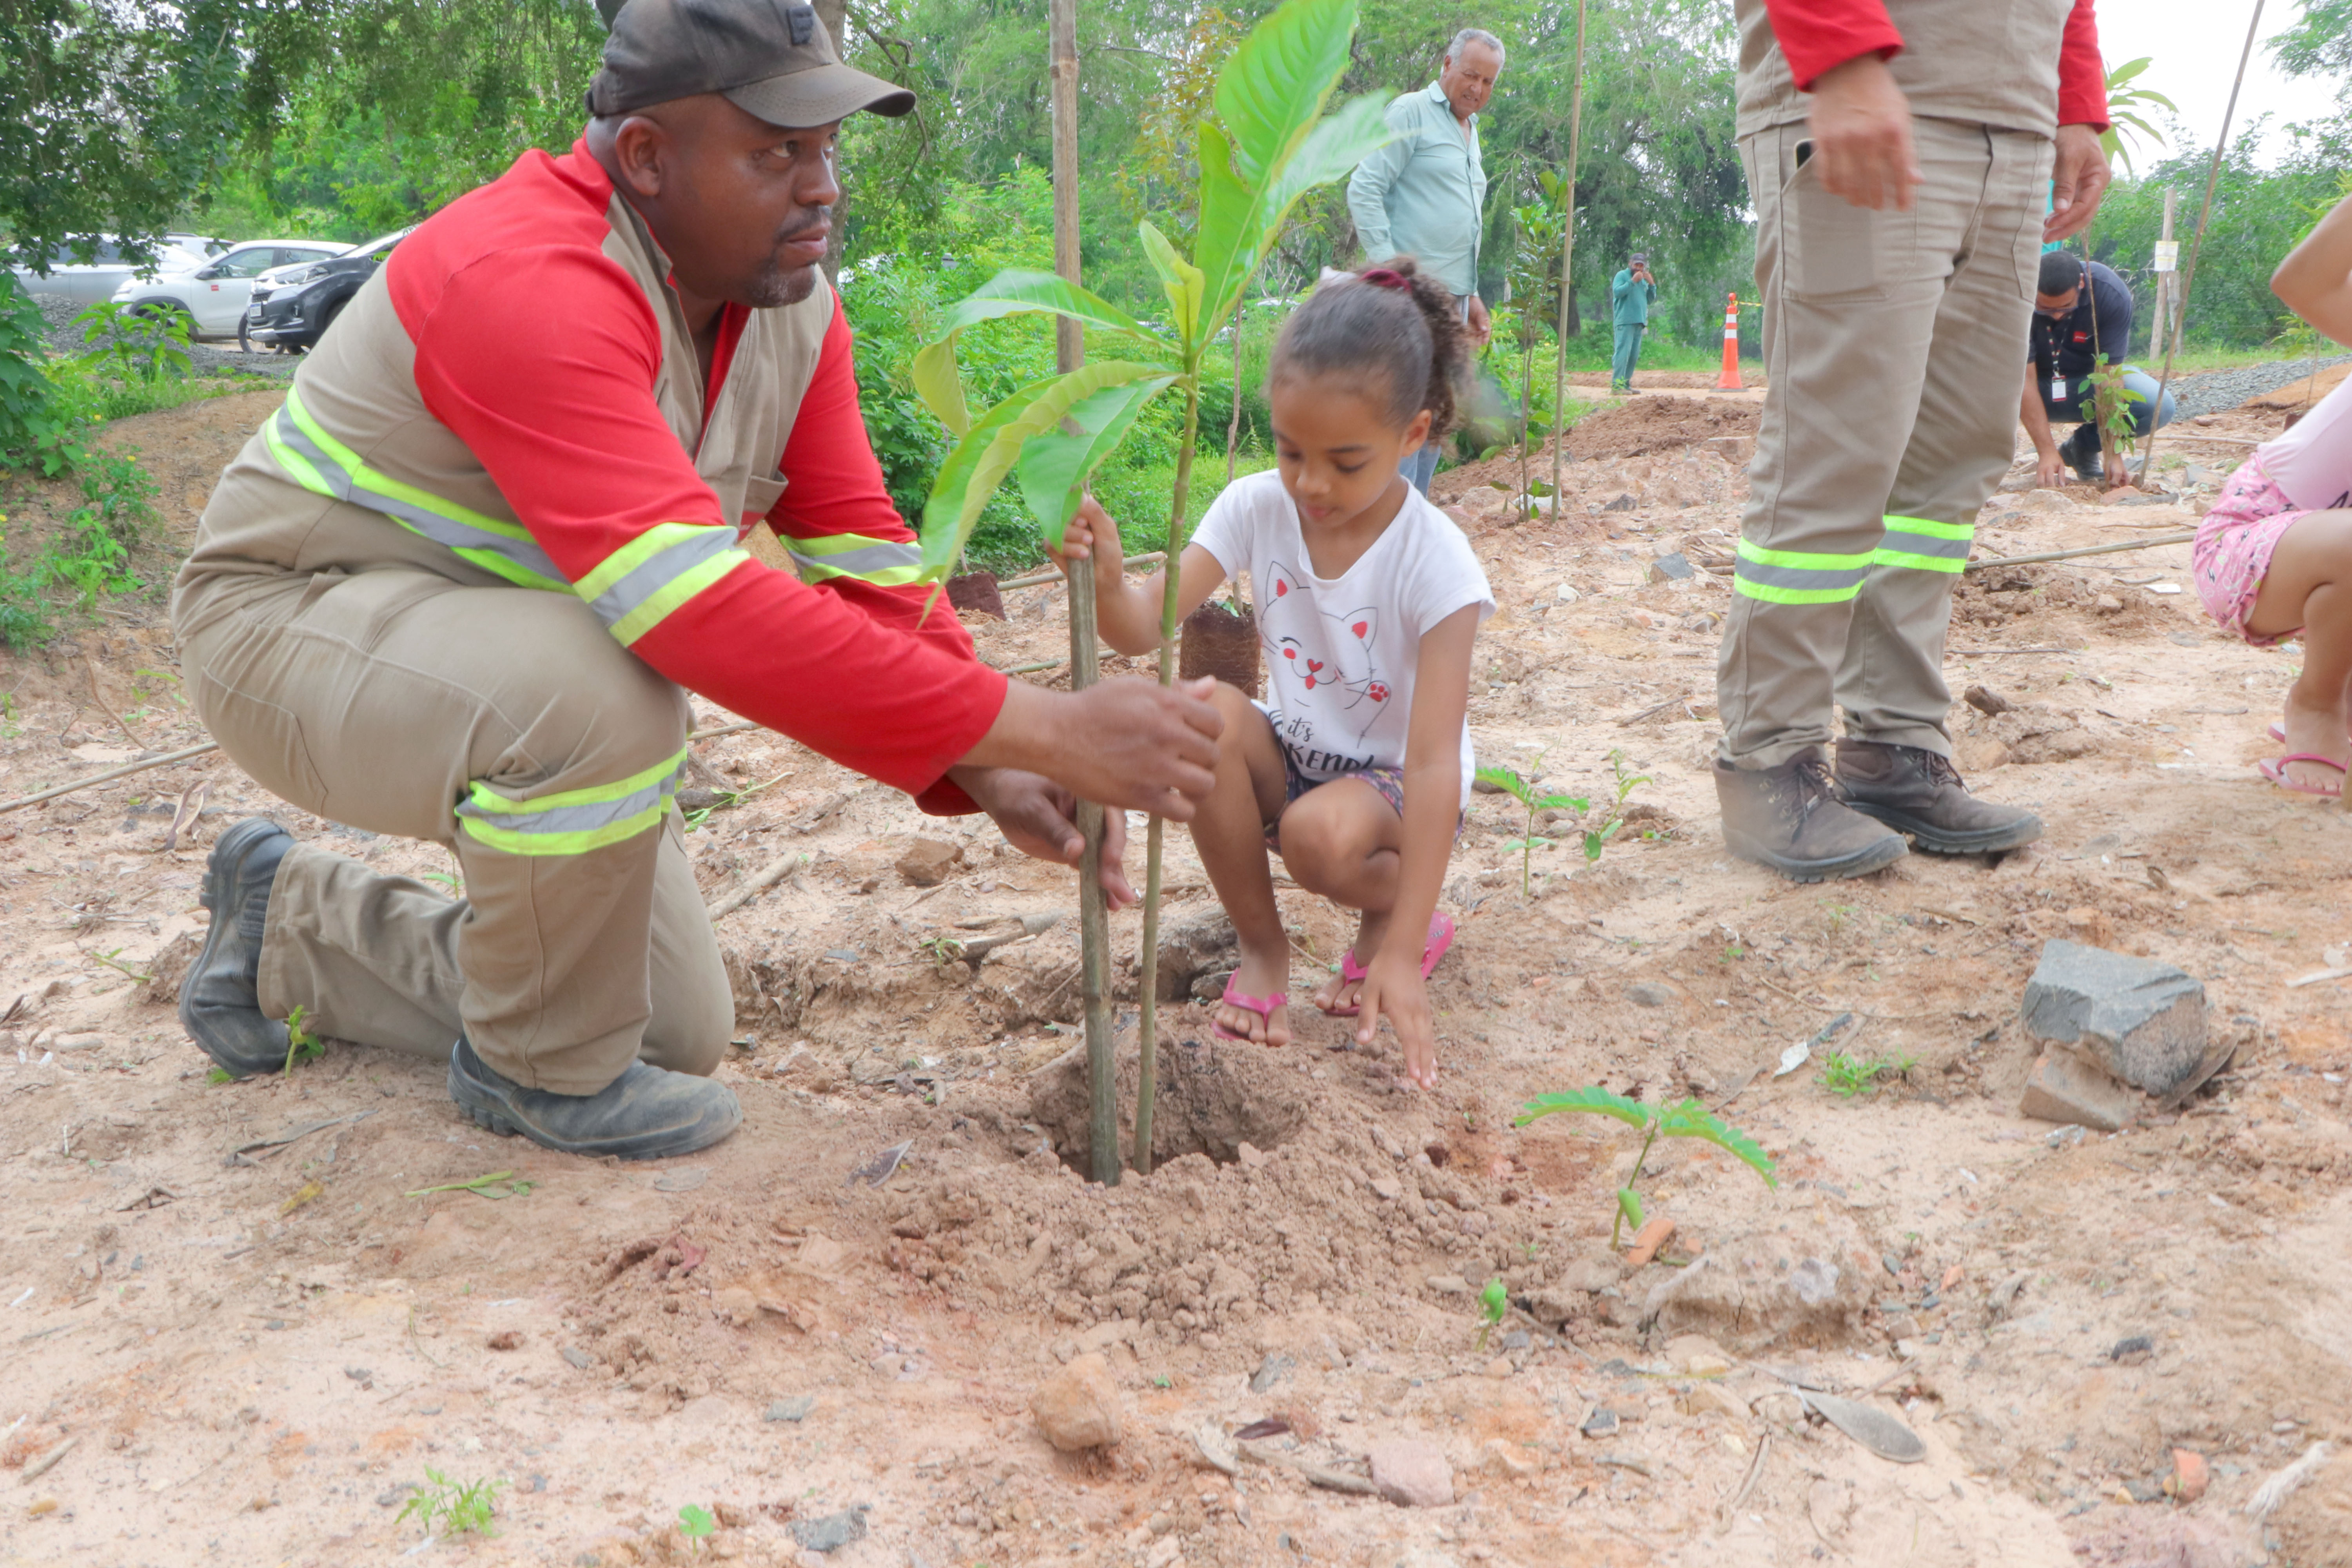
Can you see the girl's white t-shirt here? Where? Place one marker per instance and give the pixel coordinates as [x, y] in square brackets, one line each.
[2311, 464]
[1341, 652]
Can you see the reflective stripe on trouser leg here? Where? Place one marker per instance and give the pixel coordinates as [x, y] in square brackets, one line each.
[575, 821]
[1798, 576]
[1925, 545]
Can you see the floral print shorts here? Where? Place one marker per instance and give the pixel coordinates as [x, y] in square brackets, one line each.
[2232, 554]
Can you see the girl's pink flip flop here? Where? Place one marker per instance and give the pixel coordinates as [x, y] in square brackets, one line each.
[2276, 773]
[1441, 937]
[1262, 1006]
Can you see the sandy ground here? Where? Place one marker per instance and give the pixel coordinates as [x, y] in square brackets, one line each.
[222, 1349]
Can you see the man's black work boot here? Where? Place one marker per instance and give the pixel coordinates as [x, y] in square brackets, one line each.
[2082, 452]
[220, 1005]
[646, 1113]
[1790, 819]
[1914, 791]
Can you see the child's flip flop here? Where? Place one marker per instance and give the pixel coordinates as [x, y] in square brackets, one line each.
[1441, 937]
[1262, 1006]
[2276, 773]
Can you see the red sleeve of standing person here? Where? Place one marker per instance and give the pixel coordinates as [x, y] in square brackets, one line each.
[2082, 74]
[1817, 34]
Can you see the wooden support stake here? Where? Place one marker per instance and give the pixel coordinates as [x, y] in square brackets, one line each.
[1069, 353]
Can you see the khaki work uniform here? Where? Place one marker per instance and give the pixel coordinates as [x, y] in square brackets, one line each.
[371, 634]
[1864, 494]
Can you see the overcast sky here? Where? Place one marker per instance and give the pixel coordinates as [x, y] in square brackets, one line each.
[2194, 45]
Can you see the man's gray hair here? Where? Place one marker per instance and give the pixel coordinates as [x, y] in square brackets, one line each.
[1468, 35]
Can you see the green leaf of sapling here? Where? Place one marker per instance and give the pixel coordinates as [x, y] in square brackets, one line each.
[1591, 1099]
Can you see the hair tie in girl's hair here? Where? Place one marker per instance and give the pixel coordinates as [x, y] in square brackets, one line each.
[1386, 278]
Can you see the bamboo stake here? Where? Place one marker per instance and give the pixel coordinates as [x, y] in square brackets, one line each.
[1567, 257]
[109, 776]
[1069, 353]
[2182, 538]
[1148, 994]
[2197, 240]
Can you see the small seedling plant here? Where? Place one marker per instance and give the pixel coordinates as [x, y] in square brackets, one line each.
[302, 1044]
[1267, 144]
[1846, 1076]
[1493, 1302]
[1688, 1119]
[696, 1522]
[449, 1508]
[1523, 790]
[1597, 837]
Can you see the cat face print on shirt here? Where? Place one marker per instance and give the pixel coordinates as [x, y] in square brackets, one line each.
[1331, 659]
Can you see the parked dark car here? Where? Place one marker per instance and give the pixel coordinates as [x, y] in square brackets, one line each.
[291, 309]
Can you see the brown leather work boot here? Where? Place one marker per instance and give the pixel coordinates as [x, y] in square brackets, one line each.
[1914, 791]
[1790, 818]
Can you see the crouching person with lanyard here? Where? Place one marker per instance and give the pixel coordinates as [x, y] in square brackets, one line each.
[459, 587]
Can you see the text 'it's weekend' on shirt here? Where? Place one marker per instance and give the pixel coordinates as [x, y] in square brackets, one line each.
[1341, 652]
[2312, 463]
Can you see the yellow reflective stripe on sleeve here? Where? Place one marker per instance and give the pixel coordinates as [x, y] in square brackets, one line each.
[675, 592]
[324, 466]
[570, 822]
[634, 589]
[886, 563]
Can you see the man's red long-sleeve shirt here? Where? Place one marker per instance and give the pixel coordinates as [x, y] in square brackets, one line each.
[541, 354]
[1818, 35]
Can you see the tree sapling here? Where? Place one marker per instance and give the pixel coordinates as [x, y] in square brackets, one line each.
[1523, 790]
[1268, 145]
[1688, 1119]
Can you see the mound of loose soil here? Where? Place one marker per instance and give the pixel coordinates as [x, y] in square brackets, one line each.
[849, 1304]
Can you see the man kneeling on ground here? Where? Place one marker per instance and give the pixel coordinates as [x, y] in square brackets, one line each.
[2075, 326]
[459, 586]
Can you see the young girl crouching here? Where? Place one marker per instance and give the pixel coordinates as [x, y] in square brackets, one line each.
[2274, 555]
[1357, 767]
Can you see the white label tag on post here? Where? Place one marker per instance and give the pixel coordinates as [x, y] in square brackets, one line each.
[2167, 256]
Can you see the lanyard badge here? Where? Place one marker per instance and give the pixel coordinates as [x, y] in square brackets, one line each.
[2057, 389]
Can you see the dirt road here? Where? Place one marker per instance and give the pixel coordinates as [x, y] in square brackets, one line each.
[225, 1346]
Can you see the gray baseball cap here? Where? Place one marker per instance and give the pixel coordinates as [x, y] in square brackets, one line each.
[771, 59]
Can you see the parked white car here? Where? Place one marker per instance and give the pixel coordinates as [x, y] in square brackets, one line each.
[88, 282]
[213, 296]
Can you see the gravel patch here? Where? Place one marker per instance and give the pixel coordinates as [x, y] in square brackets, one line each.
[2216, 390]
[204, 359]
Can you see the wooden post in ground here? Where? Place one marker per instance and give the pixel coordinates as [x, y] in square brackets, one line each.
[2197, 244]
[2164, 279]
[1069, 353]
[1567, 259]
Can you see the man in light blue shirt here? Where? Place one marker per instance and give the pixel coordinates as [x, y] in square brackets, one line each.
[1631, 295]
[1424, 194]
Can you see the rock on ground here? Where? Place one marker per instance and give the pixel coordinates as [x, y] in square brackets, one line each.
[2143, 1020]
[2065, 1089]
[1078, 1408]
[1413, 1474]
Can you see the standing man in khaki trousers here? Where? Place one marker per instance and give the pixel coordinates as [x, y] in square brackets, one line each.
[1898, 152]
[589, 441]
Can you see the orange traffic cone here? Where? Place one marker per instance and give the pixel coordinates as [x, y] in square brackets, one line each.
[1729, 379]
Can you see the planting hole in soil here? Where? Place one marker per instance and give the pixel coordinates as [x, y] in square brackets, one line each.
[1214, 1096]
